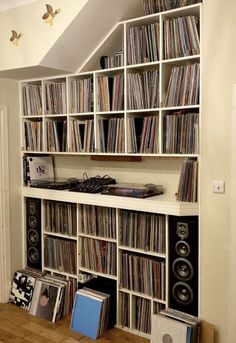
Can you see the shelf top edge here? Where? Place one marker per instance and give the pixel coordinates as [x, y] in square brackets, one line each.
[162, 204]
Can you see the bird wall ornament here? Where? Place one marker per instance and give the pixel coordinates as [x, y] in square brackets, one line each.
[49, 16]
[15, 37]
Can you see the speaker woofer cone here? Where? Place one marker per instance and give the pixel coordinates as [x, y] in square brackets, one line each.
[182, 293]
[182, 269]
[33, 255]
[33, 237]
[182, 248]
[32, 221]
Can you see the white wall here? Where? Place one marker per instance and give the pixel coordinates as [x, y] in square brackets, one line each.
[9, 97]
[219, 74]
[37, 36]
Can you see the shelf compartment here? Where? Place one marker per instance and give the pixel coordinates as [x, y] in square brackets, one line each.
[132, 266]
[98, 256]
[98, 221]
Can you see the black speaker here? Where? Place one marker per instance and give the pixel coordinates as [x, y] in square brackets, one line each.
[183, 264]
[33, 233]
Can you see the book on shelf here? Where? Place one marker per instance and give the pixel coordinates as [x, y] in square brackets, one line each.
[90, 312]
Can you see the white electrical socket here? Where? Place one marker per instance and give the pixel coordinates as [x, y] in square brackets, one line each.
[218, 186]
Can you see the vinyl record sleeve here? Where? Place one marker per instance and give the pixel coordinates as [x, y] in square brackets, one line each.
[40, 168]
[22, 290]
[166, 330]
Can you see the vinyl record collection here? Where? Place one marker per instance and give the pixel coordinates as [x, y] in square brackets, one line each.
[32, 100]
[46, 296]
[143, 133]
[181, 37]
[143, 90]
[143, 44]
[153, 275]
[52, 297]
[56, 132]
[183, 87]
[114, 61]
[143, 315]
[60, 217]
[82, 135]
[142, 230]
[155, 6]
[187, 188]
[178, 326]
[81, 96]
[98, 256]
[181, 130]
[112, 134]
[55, 97]
[111, 93]
[33, 135]
[60, 254]
[90, 314]
[125, 309]
[98, 221]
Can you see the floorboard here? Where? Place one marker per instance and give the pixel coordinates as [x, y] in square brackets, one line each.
[18, 326]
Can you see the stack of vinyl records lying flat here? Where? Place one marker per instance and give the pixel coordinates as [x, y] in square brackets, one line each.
[52, 297]
[90, 312]
[174, 326]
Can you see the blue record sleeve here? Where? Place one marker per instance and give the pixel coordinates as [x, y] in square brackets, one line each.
[86, 315]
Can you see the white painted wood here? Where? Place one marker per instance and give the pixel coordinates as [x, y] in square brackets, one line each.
[163, 204]
[5, 249]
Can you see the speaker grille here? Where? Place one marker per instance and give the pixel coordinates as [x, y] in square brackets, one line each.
[183, 264]
[33, 232]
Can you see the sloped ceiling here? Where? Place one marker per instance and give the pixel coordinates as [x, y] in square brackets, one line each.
[75, 40]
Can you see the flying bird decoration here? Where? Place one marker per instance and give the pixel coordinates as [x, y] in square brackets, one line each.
[49, 16]
[15, 37]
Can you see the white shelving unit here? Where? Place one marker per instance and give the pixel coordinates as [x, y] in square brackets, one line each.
[165, 204]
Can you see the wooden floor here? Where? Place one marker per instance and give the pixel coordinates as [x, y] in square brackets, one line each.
[17, 326]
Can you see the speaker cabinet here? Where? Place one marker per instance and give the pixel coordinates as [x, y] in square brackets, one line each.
[33, 233]
[183, 264]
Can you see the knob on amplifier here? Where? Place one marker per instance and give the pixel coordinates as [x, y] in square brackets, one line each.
[33, 233]
[183, 264]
